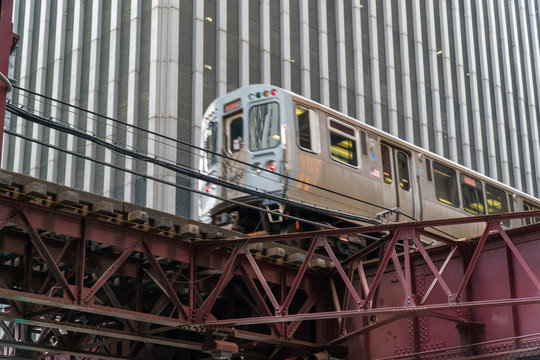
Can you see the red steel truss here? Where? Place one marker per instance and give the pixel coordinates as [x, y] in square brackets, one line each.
[75, 282]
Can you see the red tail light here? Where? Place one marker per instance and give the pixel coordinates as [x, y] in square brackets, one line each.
[271, 165]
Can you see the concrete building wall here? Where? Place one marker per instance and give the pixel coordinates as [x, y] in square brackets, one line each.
[458, 78]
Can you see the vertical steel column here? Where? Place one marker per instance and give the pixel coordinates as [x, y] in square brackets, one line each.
[323, 53]
[341, 58]
[359, 94]
[374, 63]
[112, 95]
[81, 259]
[5, 46]
[40, 76]
[497, 93]
[486, 82]
[93, 95]
[305, 67]
[192, 280]
[390, 68]
[57, 86]
[517, 57]
[512, 289]
[420, 76]
[461, 86]
[511, 127]
[405, 70]
[285, 37]
[448, 89]
[434, 78]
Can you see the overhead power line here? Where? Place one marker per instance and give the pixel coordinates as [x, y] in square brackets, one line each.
[212, 152]
[144, 176]
[180, 169]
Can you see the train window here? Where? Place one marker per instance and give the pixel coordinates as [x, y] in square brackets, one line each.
[428, 170]
[210, 142]
[529, 207]
[307, 129]
[446, 188]
[264, 130]
[386, 164]
[403, 170]
[343, 143]
[236, 133]
[304, 132]
[363, 140]
[496, 202]
[473, 195]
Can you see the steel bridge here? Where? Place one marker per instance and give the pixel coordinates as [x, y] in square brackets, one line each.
[81, 281]
[84, 277]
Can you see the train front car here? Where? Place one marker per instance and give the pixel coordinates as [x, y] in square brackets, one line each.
[248, 129]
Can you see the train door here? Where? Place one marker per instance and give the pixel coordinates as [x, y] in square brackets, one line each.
[234, 145]
[398, 192]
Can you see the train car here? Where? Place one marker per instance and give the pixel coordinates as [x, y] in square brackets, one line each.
[306, 148]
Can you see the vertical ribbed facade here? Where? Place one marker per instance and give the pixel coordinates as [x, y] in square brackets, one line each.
[459, 78]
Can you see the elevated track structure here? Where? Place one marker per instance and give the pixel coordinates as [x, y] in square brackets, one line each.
[94, 278]
[86, 277]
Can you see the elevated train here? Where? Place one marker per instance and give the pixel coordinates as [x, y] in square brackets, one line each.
[262, 126]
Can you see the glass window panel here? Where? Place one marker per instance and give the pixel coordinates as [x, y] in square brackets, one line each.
[445, 181]
[403, 171]
[343, 149]
[473, 195]
[210, 142]
[386, 164]
[304, 130]
[236, 133]
[529, 207]
[264, 132]
[343, 143]
[497, 202]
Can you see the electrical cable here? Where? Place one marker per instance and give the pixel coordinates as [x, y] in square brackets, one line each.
[225, 158]
[167, 144]
[211, 152]
[239, 203]
[181, 169]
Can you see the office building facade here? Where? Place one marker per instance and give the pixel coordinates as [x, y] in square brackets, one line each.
[459, 78]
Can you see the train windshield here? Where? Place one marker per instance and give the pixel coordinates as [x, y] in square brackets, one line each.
[210, 143]
[264, 126]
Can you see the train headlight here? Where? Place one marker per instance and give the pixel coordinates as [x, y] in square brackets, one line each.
[257, 167]
[271, 165]
[273, 92]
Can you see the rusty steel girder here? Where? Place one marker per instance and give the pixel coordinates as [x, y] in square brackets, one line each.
[78, 282]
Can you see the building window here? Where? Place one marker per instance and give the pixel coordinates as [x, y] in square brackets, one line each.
[473, 195]
[343, 143]
[446, 188]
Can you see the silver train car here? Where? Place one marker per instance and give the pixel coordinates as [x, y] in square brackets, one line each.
[383, 177]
